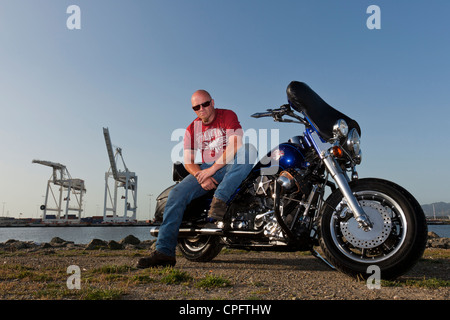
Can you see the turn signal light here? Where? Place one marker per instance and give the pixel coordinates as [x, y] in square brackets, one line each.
[337, 152]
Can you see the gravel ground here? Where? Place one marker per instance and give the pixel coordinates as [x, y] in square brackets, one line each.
[248, 275]
[291, 276]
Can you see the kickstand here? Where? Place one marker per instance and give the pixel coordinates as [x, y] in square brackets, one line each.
[317, 255]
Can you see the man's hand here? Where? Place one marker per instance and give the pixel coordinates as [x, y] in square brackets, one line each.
[209, 184]
[203, 175]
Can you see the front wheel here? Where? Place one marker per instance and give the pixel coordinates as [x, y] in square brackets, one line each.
[395, 242]
[200, 248]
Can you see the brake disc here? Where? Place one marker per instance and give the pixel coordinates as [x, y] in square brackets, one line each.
[380, 217]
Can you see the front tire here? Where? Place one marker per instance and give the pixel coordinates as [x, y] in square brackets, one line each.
[396, 241]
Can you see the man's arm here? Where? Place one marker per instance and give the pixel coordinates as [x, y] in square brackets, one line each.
[234, 143]
[208, 183]
[189, 162]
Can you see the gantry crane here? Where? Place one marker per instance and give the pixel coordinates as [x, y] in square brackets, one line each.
[124, 179]
[73, 189]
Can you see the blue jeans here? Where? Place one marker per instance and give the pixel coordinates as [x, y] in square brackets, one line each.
[229, 178]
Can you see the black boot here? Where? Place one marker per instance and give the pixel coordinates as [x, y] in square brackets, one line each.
[156, 259]
[217, 210]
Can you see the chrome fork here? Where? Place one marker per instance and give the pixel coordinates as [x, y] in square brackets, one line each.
[338, 175]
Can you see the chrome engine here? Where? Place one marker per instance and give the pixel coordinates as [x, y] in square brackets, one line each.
[258, 213]
[255, 211]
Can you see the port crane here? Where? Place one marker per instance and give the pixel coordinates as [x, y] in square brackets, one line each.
[62, 188]
[122, 179]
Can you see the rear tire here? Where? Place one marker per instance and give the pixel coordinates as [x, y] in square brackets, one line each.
[200, 248]
[396, 241]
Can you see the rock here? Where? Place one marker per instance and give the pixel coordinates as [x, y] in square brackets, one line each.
[12, 244]
[434, 241]
[58, 242]
[148, 243]
[441, 243]
[114, 245]
[432, 235]
[130, 239]
[20, 245]
[96, 244]
[46, 245]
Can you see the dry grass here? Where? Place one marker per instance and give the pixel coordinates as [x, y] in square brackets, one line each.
[110, 274]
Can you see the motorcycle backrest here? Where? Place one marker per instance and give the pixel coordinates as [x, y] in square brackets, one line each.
[179, 172]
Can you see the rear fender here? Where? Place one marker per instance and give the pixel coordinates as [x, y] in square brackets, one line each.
[195, 210]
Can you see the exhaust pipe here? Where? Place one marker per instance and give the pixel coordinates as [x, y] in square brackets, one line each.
[189, 232]
[192, 232]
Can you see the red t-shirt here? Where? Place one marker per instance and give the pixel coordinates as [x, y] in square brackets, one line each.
[211, 139]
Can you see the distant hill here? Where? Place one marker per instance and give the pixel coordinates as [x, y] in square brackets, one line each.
[441, 209]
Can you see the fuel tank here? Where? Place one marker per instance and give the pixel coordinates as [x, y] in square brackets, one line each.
[287, 155]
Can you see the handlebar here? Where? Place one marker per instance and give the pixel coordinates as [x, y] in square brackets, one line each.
[278, 114]
[273, 112]
[261, 114]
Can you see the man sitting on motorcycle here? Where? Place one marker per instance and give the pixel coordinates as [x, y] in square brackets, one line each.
[217, 133]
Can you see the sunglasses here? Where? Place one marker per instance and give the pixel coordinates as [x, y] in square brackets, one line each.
[204, 105]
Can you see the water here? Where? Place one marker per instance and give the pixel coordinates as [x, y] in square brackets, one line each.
[83, 235]
[79, 235]
[442, 230]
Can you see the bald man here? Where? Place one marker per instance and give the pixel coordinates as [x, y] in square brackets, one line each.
[217, 134]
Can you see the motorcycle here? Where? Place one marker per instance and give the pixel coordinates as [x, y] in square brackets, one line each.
[312, 196]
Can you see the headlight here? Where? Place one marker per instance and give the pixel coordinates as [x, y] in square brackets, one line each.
[340, 129]
[353, 143]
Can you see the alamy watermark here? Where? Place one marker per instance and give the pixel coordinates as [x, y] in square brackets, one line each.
[374, 20]
[73, 22]
[374, 281]
[74, 280]
[265, 141]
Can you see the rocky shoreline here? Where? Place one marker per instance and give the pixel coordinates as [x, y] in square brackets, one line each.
[434, 241]
[131, 242]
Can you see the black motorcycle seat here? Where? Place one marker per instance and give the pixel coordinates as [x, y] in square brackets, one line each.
[323, 116]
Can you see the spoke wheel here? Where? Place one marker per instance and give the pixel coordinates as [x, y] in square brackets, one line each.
[394, 243]
[377, 243]
[200, 248]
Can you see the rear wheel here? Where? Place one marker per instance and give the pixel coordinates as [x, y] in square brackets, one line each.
[394, 243]
[200, 248]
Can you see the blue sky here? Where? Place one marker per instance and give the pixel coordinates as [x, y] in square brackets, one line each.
[134, 65]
